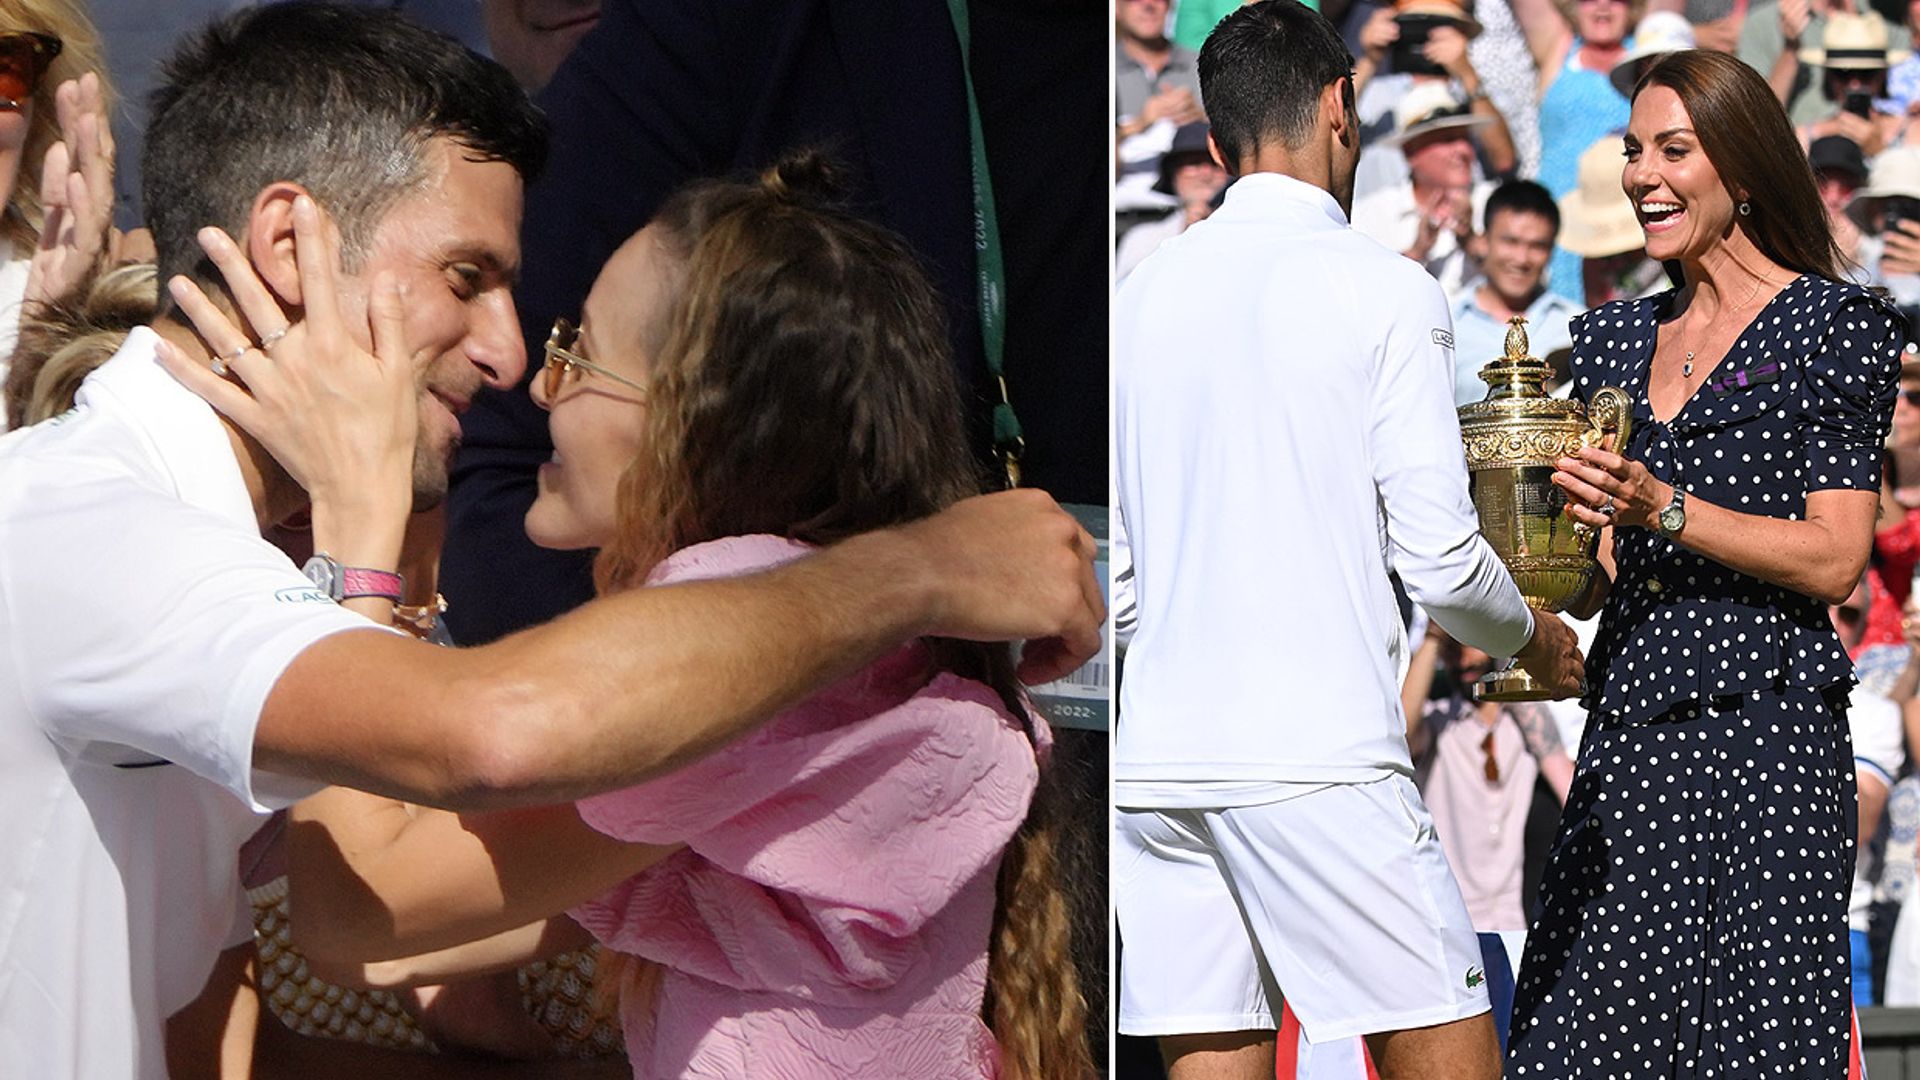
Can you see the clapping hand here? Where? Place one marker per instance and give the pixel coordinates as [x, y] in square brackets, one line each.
[76, 196]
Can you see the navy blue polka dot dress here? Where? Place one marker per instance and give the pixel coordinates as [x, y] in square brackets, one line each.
[1692, 918]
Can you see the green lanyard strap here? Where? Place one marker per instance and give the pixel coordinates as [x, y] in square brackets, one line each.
[990, 269]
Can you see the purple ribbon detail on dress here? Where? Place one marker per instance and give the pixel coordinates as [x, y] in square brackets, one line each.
[1747, 377]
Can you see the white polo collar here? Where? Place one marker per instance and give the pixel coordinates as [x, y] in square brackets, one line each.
[182, 434]
[1259, 196]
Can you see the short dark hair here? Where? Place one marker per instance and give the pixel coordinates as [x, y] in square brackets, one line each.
[1521, 197]
[342, 100]
[1261, 73]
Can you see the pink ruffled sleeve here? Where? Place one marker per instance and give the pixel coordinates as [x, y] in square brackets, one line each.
[860, 813]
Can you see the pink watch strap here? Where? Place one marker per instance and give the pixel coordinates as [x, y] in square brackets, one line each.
[358, 581]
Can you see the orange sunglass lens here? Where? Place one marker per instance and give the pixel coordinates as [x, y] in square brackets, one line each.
[22, 64]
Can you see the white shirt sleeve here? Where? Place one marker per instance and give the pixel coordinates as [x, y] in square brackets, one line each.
[143, 629]
[1420, 471]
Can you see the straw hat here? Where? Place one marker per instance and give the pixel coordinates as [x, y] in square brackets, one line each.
[1597, 218]
[1896, 171]
[1856, 42]
[1428, 107]
[1445, 9]
[1661, 32]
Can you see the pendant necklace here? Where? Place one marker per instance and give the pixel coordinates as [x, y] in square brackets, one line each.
[1686, 368]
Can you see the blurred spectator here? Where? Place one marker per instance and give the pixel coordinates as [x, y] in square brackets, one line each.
[1771, 40]
[1156, 91]
[1429, 215]
[1660, 33]
[56, 159]
[1476, 765]
[1840, 170]
[1598, 224]
[1903, 78]
[1854, 54]
[531, 37]
[1888, 208]
[1881, 651]
[1716, 23]
[1426, 44]
[1874, 722]
[1505, 63]
[1188, 173]
[1520, 224]
[1578, 101]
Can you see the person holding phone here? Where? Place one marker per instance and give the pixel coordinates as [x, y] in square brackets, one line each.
[1887, 210]
[1854, 54]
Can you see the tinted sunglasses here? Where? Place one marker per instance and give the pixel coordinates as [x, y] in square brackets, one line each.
[24, 59]
[1912, 396]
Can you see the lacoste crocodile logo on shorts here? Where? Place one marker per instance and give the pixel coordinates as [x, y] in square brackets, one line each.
[1475, 978]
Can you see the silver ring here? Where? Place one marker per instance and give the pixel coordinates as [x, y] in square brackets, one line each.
[270, 340]
[1607, 507]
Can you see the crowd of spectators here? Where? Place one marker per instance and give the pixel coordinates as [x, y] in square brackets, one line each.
[1492, 156]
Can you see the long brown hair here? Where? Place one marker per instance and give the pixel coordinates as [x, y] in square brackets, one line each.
[1746, 134]
[803, 386]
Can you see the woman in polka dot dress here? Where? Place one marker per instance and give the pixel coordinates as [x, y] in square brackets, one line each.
[1692, 919]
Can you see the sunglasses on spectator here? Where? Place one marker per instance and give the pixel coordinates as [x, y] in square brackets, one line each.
[24, 59]
[1491, 768]
[563, 363]
[1912, 397]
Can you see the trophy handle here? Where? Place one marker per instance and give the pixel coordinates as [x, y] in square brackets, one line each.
[1609, 412]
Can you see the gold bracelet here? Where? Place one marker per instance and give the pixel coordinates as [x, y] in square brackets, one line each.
[419, 619]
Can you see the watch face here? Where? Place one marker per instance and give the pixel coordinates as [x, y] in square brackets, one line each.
[1672, 519]
[320, 572]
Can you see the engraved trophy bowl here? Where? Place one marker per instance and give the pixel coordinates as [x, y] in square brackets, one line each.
[1512, 439]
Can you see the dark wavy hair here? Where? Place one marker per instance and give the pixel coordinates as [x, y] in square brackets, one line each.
[804, 387]
[1746, 134]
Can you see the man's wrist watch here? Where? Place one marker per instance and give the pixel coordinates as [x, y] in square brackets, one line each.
[352, 582]
[1673, 516]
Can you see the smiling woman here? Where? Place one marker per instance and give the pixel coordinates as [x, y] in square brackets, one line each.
[1692, 918]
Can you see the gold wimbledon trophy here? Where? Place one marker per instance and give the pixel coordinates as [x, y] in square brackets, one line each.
[1512, 440]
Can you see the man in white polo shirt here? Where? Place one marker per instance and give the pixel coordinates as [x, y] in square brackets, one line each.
[166, 675]
[1284, 434]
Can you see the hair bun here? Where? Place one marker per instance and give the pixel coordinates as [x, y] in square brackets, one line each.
[806, 177]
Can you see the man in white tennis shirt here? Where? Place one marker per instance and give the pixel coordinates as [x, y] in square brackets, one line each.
[1284, 435]
[166, 674]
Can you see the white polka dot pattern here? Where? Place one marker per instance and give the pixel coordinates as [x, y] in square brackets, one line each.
[1692, 918]
[1801, 403]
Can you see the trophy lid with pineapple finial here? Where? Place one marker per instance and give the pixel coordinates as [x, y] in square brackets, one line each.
[1517, 374]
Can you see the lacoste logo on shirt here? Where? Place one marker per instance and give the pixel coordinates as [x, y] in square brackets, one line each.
[1443, 338]
[1474, 978]
[302, 596]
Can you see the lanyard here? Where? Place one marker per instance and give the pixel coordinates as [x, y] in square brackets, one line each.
[990, 270]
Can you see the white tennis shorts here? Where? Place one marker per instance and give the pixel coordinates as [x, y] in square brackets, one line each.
[1341, 899]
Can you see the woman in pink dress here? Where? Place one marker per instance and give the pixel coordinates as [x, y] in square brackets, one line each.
[755, 374]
